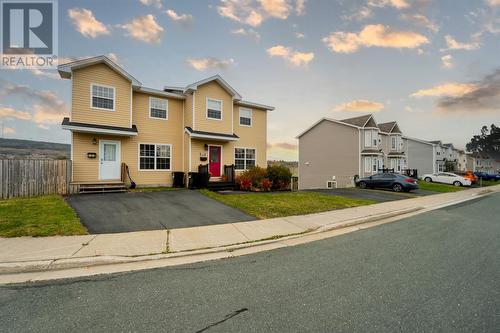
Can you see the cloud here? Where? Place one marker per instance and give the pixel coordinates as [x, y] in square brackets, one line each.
[202, 64]
[242, 11]
[283, 145]
[484, 97]
[247, 32]
[399, 4]
[11, 113]
[8, 130]
[493, 3]
[447, 90]
[447, 61]
[359, 105]
[420, 20]
[46, 107]
[155, 3]
[359, 15]
[293, 57]
[86, 24]
[300, 35]
[254, 12]
[276, 8]
[300, 7]
[452, 44]
[373, 35]
[144, 28]
[184, 19]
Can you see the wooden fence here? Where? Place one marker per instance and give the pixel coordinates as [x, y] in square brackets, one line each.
[29, 177]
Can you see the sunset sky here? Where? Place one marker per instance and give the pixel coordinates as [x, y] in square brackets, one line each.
[433, 66]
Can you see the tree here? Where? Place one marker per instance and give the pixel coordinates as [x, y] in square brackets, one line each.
[487, 142]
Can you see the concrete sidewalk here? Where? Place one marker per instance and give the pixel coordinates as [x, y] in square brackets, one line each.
[27, 254]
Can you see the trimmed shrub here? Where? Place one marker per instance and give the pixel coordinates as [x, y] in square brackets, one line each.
[256, 175]
[244, 183]
[280, 177]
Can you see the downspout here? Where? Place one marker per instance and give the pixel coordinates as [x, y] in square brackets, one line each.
[359, 152]
[433, 159]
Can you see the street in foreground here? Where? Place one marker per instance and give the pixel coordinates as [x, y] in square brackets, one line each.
[432, 272]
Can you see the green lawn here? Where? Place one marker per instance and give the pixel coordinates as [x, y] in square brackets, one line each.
[436, 187]
[279, 204]
[487, 183]
[41, 216]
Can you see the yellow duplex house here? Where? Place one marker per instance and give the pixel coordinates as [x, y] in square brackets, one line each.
[115, 119]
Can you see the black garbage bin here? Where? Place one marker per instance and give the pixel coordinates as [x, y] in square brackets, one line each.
[178, 179]
[193, 180]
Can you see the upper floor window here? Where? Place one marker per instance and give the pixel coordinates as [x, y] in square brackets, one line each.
[214, 109]
[103, 97]
[371, 138]
[158, 108]
[245, 117]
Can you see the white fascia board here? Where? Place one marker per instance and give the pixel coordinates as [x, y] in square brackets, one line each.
[220, 80]
[97, 130]
[325, 119]
[210, 137]
[255, 105]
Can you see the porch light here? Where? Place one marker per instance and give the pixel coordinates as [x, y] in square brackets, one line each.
[94, 141]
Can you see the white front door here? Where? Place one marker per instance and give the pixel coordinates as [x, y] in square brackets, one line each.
[109, 160]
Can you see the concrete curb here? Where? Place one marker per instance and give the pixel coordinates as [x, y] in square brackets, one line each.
[85, 262]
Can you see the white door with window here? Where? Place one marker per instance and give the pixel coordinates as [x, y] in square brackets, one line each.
[109, 160]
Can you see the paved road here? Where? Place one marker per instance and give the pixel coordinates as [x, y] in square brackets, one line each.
[435, 272]
[137, 211]
[377, 195]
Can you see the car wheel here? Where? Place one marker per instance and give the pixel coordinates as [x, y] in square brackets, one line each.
[428, 179]
[397, 187]
[362, 184]
[457, 183]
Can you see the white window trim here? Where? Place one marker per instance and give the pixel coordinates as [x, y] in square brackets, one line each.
[163, 99]
[367, 166]
[234, 157]
[365, 136]
[155, 144]
[251, 117]
[105, 86]
[221, 108]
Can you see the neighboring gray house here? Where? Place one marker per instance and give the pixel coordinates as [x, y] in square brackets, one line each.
[420, 155]
[332, 152]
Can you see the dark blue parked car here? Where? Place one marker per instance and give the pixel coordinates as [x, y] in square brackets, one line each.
[487, 176]
[394, 181]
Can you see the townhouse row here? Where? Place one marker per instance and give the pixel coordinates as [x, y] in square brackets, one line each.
[332, 152]
[115, 121]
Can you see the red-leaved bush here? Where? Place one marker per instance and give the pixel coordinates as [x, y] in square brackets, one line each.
[245, 183]
[266, 184]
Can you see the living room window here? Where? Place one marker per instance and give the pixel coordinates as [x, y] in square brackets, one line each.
[244, 158]
[102, 97]
[245, 117]
[214, 109]
[154, 156]
[158, 108]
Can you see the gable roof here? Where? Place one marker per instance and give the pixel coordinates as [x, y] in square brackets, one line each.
[217, 78]
[387, 127]
[322, 120]
[66, 70]
[358, 121]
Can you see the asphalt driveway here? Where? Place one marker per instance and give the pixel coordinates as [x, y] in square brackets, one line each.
[378, 195]
[139, 211]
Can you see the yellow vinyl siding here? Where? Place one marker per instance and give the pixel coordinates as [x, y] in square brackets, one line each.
[201, 122]
[81, 108]
[254, 136]
[154, 131]
[188, 110]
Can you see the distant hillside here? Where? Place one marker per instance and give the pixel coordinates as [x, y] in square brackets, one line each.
[14, 148]
[292, 165]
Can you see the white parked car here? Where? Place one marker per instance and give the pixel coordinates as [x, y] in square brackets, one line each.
[447, 178]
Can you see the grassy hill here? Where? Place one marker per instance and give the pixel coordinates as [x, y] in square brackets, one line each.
[15, 148]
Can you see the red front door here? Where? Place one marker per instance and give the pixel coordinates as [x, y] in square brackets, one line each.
[214, 160]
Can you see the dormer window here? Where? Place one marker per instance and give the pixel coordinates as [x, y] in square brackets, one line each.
[214, 109]
[103, 97]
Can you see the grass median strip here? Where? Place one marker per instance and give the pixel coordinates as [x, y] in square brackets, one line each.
[280, 204]
[40, 216]
[442, 188]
